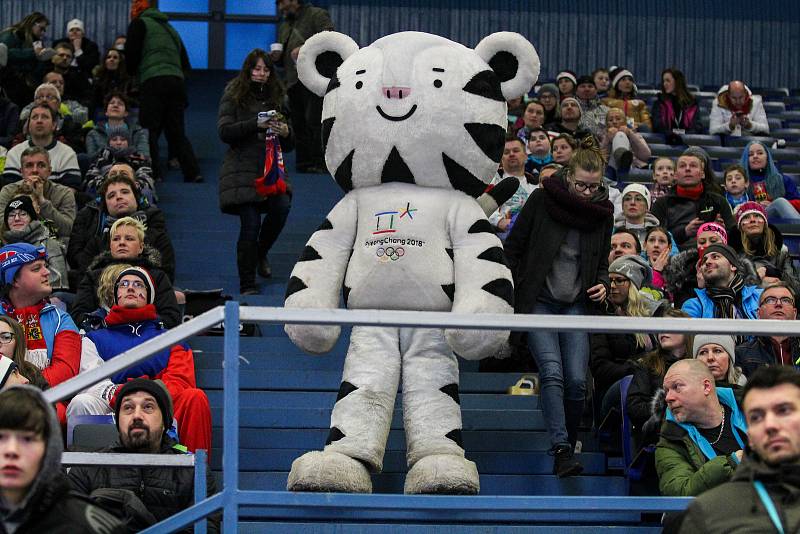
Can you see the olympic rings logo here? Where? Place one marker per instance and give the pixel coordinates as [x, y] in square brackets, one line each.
[390, 253]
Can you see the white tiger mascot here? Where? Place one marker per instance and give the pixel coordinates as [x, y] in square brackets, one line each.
[413, 126]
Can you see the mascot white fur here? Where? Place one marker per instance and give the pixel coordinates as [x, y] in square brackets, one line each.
[413, 127]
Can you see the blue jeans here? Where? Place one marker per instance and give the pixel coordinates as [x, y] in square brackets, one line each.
[782, 209]
[264, 231]
[563, 359]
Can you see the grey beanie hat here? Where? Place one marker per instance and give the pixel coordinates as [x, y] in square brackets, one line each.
[548, 88]
[726, 342]
[634, 268]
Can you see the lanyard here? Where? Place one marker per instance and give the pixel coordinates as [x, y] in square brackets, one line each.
[769, 505]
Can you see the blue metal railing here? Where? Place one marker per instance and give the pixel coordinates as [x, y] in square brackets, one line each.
[424, 508]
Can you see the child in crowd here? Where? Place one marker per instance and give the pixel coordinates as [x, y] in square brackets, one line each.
[736, 186]
[538, 151]
[663, 177]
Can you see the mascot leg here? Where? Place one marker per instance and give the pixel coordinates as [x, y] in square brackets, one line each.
[432, 417]
[361, 418]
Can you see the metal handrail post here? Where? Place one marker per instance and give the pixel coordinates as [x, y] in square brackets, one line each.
[200, 472]
[230, 430]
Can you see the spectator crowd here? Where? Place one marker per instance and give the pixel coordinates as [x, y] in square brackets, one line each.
[604, 221]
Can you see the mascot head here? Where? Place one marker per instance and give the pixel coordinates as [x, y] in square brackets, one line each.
[414, 107]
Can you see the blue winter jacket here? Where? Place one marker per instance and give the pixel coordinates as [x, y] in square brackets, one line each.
[702, 307]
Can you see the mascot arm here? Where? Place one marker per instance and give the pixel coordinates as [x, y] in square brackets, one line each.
[482, 280]
[317, 278]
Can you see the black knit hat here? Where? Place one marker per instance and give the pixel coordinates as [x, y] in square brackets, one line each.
[21, 202]
[155, 388]
[585, 79]
[725, 250]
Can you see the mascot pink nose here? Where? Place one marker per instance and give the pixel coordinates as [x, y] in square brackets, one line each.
[396, 92]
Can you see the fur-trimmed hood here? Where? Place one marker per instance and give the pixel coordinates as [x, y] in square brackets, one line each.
[682, 269]
[150, 259]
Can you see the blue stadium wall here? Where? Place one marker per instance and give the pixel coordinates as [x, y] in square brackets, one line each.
[712, 41]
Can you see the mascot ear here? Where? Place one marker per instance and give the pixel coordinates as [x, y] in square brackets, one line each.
[513, 59]
[319, 58]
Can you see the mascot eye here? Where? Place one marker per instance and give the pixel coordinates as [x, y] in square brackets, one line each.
[437, 83]
[359, 84]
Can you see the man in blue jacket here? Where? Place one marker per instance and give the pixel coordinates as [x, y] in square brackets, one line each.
[726, 294]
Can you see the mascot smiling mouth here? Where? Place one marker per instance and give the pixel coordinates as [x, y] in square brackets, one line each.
[397, 119]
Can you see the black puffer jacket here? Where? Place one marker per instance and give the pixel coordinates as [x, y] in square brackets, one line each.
[165, 491]
[86, 299]
[612, 358]
[90, 237]
[244, 159]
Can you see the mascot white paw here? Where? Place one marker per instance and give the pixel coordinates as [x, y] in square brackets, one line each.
[443, 474]
[328, 471]
[413, 128]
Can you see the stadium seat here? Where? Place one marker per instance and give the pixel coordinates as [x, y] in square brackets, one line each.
[724, 152]
[786, 154]
[91, 432]
[774, 107]
[666, 150]
[701, 140]
[786, 133]
[771, 92]
[774, 123]
[743, 140]
[657, 138]
[637, 175]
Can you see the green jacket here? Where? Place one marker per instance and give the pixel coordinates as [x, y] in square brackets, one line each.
[161, 53]
[293, 33]
[735, 507]
[685, 462]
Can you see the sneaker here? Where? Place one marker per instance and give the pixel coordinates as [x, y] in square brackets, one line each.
[624, 159]
[564, 462]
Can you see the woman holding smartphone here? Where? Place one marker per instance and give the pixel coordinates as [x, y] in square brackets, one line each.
[251, 115]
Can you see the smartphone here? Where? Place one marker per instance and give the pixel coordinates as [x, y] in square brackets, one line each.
[267, 115]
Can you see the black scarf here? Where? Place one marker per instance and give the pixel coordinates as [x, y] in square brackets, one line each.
[727, 300]
[569, 209]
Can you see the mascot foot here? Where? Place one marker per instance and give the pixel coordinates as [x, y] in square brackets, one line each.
[445, 474]
[327, 471]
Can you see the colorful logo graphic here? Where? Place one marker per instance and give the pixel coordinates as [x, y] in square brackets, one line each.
[386, 220]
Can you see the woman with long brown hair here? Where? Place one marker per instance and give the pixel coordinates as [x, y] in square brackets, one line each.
[558, 252]
[251, 118]
[675, 111]
[28, 58]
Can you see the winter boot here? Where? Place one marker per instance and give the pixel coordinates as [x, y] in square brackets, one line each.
[246, 261]
[564, 462]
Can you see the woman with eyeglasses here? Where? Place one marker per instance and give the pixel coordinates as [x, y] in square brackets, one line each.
[558, 252]
[613, 355]
[126, 246]
[22, 223]
[27, 57]
[14, 369]
[253, 122]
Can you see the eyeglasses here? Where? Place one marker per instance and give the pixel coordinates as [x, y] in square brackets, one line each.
[772, 301]
[619, 281]
[580, 187]
[6, 338]
[136, 284]
[46, 97]
[18, 214]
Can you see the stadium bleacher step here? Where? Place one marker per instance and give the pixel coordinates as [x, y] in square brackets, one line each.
[279, 527]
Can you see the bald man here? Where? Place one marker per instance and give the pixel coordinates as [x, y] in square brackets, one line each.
[703, 435]
[736, 111]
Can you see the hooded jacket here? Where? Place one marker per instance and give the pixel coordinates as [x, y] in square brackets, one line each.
[38, 234]
[50, 505]
[166, 305]
[97, 139]
[720, 117]
[90, 236]
[714, 511]
[244, 160]
[686, 463]
[676, 212]
[165, 491]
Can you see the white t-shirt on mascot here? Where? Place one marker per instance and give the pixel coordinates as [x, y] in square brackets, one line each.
[414, 128]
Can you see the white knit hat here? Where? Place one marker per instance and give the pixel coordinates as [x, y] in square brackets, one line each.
[638, 188]
[75, 23]
[7, 366]
[568, 75]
